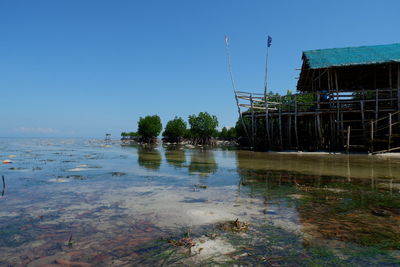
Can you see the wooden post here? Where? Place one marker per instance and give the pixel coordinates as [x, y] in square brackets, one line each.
[319, 119]
[295, 121]
[390, 130]
[390, 85]
[348, 139]
[290, 131]
[372, 136]
[241, 117]
[319, 79]
[267, 119]
[272, 131]
[252, 120]
[398, 90]
[362, 113]
[331, 130]
[280, 122]
[376, 104]
[339, 115]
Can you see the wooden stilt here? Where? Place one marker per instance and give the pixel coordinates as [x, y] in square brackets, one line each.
[320, 137]
[271, 123]
[339, 125]
[252, 120]
[241, 117]
[267, 118]
[331, 105]
[290, 131]
[295, 122]
[398, 90]
[316, 139]
[280, 123]
[348, 139]
[390, 85]
[376, 104]
[342, 136]
[372, 136]
[390, 130]
[362, 114]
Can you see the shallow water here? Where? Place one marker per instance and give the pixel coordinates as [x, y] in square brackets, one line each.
[81, 202]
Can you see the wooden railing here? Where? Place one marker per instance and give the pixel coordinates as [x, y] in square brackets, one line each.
[320, 102]
[382, 127]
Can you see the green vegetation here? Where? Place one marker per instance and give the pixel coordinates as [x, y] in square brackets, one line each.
[227, 134]
[203, 127]
[126, 135]
[175, 130]
[149, 128]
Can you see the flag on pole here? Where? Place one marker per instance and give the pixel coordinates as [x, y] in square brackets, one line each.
[269, 42]
[226, 40]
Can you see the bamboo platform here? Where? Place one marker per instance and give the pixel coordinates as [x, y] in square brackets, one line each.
[357, 120]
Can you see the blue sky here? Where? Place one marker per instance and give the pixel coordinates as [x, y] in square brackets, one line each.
[84, 68]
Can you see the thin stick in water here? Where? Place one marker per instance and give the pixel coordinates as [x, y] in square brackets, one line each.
[4, 185]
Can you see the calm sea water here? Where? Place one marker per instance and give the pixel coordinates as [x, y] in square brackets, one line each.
[86, 203]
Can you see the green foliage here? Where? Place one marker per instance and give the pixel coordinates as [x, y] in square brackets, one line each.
[203, 127]
[224, 133]
[239, 129]
[227, 134]
[129, 134]
[133, 134]
[305, 101]
[149, 127]
[175, 129]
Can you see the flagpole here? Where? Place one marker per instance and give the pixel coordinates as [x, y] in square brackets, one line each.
[266, 72]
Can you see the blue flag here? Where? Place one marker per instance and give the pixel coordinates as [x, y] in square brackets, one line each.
[269, 42]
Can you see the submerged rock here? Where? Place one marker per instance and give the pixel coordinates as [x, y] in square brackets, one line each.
[118, 173]
[380, 212]
[77, 177]
[270, 212]
[233, 226]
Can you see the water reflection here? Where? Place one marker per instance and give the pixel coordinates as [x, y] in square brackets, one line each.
[175, 156]
[313, 209]
[349, 166]
[359, 204]
[202, 162]
[149, 158]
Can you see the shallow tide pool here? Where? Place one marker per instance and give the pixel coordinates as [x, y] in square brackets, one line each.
[78, 202]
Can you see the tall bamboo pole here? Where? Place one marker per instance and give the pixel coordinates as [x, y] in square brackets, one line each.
[228, 57]
[266, 97]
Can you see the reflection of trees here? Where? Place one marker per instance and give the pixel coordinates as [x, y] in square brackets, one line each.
[149, 158]
[202, 162]
[175, 157]
[365, 205]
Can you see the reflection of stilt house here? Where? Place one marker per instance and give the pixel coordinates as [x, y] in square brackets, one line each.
[348, 99]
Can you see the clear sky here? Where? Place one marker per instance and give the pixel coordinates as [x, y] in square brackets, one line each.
[84, 68]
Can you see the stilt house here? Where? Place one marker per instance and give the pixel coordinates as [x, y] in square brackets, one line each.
[347, 99]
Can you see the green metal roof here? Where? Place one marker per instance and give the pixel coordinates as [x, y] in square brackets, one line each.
[362, 55]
